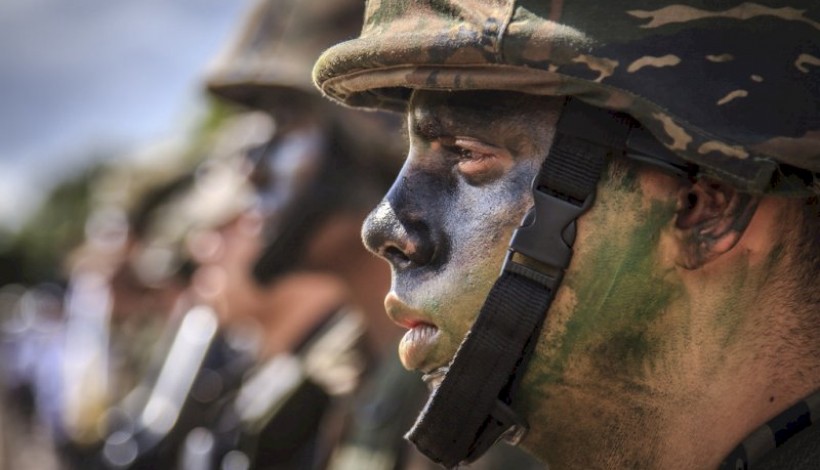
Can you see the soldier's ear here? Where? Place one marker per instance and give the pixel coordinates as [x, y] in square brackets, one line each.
[711, 218]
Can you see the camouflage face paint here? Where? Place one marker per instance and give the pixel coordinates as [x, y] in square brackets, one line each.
[634, 336]
[446, 223]
[618, 288]
[605, 335]
[630, 332]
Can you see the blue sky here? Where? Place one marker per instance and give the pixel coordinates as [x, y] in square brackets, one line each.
[84, 75]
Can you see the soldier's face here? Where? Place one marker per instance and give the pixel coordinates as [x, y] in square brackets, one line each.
[445, 224]
[286, 169]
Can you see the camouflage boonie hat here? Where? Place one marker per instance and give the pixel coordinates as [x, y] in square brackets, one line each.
[273, 55]
[733, 87]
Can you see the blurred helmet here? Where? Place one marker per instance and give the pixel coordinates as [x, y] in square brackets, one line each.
[323, 159]
[733, 89]
[270, 62]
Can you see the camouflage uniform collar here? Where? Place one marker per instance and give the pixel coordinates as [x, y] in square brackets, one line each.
[767, 439]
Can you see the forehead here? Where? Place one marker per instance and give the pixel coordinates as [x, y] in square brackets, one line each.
[520, 122]
[435, 113]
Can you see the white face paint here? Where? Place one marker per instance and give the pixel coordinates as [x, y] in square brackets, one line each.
[287, 167]
[446, 222]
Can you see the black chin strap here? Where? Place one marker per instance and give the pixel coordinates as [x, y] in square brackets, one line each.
[472, 407]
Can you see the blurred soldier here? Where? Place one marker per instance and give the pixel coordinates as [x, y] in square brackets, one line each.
[125, 283]
[314, 204]
[309, 351]
[231, 327]
[154, 274]
[317, 178]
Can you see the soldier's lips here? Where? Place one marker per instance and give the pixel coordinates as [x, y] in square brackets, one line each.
[416, 345]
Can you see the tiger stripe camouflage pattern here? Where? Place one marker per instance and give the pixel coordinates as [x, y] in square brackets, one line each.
[731, 86]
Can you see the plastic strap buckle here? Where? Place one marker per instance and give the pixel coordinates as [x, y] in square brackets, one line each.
[545, 239]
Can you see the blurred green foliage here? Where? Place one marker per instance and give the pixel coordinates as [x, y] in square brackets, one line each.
[35, 253]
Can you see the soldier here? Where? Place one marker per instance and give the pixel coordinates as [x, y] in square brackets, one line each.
[657, 306]
[177, 392]
[127, 281]
[230, 325]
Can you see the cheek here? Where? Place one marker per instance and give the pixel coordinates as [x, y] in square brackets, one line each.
[486, 216]
[479, 226]
[612, 303]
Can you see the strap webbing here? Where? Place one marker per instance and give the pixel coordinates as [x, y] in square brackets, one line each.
[496, 343]
[470, 410]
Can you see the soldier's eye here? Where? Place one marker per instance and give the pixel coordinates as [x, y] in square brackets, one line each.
[478, 161]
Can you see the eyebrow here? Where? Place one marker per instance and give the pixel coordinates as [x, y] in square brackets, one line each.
[428, 126]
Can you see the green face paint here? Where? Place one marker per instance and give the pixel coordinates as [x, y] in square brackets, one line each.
[465, 187]
[618, 287]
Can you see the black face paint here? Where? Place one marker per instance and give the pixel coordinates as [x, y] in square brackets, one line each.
[301, 179]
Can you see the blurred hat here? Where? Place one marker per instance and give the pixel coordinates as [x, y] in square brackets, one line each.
[274, 51]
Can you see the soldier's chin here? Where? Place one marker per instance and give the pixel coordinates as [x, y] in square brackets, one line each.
[434, 378]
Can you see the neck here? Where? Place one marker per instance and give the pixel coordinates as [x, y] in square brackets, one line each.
[719, 358]
[690, 414]
[755, 362]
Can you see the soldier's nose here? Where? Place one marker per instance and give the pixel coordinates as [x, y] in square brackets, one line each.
[404, 241]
